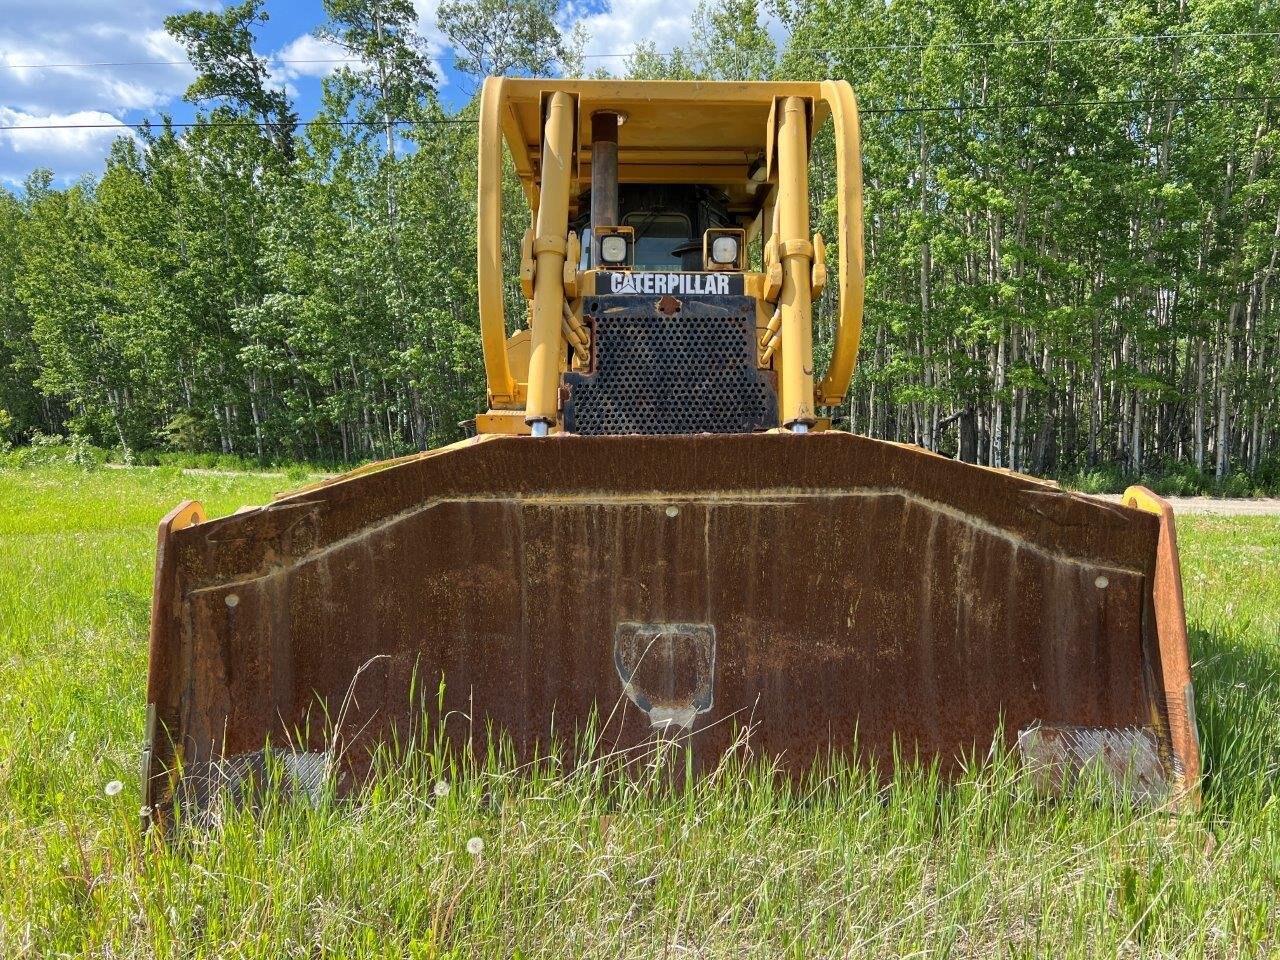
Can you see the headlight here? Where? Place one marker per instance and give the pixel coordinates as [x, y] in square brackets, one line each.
[724, 250]
[613, 249]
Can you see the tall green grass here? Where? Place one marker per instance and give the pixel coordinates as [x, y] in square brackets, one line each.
[1174, 479]
[588, 863]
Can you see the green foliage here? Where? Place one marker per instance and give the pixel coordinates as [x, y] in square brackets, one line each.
[215, 293]
[395, 78]
[730, 41]
[220, 47]
[185, 432]
[1073, 251]
[1172, 479]
[1072, 247]
[500, 37]
[48, 449]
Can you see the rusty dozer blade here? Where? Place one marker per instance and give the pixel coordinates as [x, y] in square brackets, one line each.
[823, 590]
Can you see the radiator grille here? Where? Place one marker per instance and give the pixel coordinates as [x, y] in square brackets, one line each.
[691, 372]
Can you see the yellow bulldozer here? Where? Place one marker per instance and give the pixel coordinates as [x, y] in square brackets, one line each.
[654, 528]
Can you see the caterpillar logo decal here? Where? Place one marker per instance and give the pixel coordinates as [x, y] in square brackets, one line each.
[684, 284]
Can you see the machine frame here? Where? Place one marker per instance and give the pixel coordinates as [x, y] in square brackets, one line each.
[751, 139]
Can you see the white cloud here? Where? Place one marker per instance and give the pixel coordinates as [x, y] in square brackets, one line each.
[64, 142]
[437, 45]
[67, 133]
[312, 56]
[92, 61]
[309, 56]
[614, 32]
[426, 10]
[77, 61]
[90, 66]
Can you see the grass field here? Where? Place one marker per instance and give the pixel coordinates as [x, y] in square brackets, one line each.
[584, 865]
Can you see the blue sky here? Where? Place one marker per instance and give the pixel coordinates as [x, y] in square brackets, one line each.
[65, 62]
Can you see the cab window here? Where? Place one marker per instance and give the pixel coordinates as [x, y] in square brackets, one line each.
[657, 237]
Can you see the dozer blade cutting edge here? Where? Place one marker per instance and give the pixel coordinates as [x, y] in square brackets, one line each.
[806, 586]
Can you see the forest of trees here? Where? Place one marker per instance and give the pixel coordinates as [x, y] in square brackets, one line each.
[1073, 234]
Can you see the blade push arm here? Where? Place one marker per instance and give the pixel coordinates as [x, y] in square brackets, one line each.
[844, 115]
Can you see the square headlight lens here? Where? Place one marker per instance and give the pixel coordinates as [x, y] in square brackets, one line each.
[613, 249]
[724, 250]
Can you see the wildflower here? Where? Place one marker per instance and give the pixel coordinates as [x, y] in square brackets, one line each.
[441, 789]
[114, 787]
[475, 846]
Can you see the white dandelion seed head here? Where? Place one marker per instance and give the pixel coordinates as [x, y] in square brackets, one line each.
[112, 788]
[475, 846]
[441, 789]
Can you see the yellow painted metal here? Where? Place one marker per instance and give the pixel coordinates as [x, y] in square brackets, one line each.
[675, 132]
[1142, 499]
[573, 254]
[502, 421]
[489, 276]
[549, 248]
[849, 276]
[772, 328]
[681, 132]
[577, 335]
[819, 281]
[526, 264]
[518, 359]
[771, 141]
[187, 513]
[795, 400]
[772, 268]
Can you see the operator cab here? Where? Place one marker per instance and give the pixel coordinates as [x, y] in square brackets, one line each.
[668, 222]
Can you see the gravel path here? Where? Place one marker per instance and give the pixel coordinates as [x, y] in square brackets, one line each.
[1262, 507]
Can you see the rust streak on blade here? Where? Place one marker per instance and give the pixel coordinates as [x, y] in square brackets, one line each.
[848, 585]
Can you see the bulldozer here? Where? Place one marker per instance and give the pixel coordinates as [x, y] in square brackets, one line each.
[653, 529]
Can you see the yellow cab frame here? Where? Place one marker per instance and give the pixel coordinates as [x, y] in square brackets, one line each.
[751, 140]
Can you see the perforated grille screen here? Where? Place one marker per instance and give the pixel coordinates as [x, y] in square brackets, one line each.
[692, 372]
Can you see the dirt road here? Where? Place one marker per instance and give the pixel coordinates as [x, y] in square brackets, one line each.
[1267, 506]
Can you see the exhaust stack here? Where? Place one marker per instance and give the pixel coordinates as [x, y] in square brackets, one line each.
[604, 170]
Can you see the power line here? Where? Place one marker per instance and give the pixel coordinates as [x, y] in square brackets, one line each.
[864, 111]
[1064, 104]
[149, 63]
[857, 48]
[160, 125]
[1039, 41]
